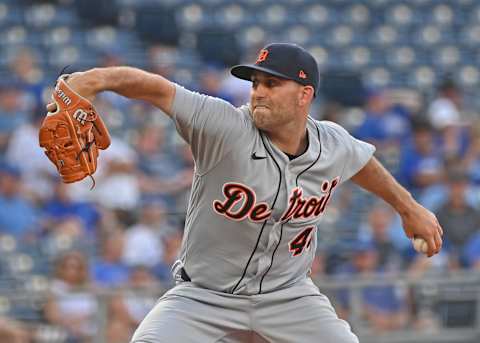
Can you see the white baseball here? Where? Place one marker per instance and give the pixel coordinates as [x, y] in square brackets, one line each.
[420, 245]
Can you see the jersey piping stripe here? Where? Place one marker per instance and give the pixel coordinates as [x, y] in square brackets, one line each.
[318, 157]
[296, 182]
[265, 222]
[271, 261]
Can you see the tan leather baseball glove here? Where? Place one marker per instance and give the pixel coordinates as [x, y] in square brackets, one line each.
[72, 135]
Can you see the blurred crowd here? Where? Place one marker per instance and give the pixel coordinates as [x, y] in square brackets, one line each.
[122, 237]
[126, 232]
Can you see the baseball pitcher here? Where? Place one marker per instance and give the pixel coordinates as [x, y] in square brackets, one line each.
[264, 175]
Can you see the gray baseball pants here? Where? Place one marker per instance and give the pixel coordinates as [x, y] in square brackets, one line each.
[189, 314]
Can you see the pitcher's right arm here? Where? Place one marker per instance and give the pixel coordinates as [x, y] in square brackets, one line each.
[130, 82]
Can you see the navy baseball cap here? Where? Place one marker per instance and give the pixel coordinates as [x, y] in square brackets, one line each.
[285, 60]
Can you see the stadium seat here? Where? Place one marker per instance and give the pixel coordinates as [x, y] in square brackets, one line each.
[428, 36]
[358, 15]
[340, 36]
[401, 57]
[5, 305]
[191, 16]
[443, 15]
[378, 77]
[446, 56]
[274, 16]
[400, 15]
[59, 35]
[470, 36]
[252, 36]
[469, 76]
[358, 56]
[320, 54]
[384, 35]
[40, 16]
[8, 244]
[231, 16]
[316, 15]
[423, 77]
[298, 34]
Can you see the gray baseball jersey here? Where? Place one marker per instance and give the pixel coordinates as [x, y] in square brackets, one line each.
[252, 215]
[251, 223]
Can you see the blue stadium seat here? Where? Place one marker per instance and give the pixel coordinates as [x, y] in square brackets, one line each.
[321, 55]
[232, 16]
[340, 36]
[470, 36]
[358, 15]
[400, 15]
[423, 77]
[428, 36]
[378, 77]
[358, 56]
[469, 76]
[8, 245]
[60, 35]
[446, 56]
[40, 16]
[5, 305]
[299, 34]
[443, 15]
[252, 36]
[10, 15]
[401, 57]
[192, 16]
[383, 36]
[14, 35]
[317, 15]
[274, 16]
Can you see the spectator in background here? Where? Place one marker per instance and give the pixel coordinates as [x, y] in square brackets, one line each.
[28, 75]
[422, 164]
[471, 252]
[445, 108]
[143, 241]
[18, 216]
[377, 230]
[14, 332]
[171, 248]
[385, 126]
[117, 187]
[459, 220]
[165, 174]
[108, 269]
[383, 306]
[38, 173]
[71, 304]
[445, 114]
[128, 308]
[211, 83]
[14, 110]
[61, 206]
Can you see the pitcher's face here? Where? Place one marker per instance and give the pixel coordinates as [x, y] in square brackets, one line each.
[273, 100]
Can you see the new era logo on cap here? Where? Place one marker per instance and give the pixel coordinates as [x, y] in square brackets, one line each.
[285, 60]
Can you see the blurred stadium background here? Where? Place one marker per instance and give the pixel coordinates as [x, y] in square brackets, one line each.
[86, 266]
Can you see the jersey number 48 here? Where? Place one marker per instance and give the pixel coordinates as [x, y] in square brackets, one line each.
[301, 242]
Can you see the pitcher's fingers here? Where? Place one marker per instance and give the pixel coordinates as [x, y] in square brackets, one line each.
[438, 241]
[51, 107]
[440, 229]
[432, 246]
